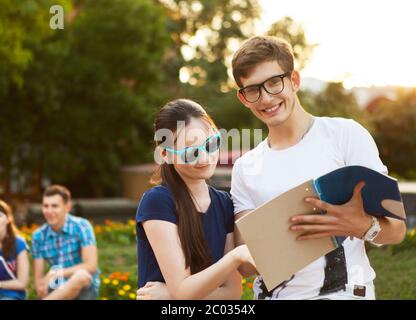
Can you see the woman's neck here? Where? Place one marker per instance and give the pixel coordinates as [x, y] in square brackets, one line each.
[199, 193]
[2, 237]
[197, 187]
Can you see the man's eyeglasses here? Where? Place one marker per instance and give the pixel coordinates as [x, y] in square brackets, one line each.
[273, 86]
[191, 154]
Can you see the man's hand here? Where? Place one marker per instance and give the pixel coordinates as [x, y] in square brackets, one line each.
[42, 289]
[348, 219]
[153, 291]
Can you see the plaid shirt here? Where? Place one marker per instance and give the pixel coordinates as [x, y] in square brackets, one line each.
[63, 249]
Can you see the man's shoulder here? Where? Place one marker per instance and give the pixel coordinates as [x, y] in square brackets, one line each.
[338, 128]
[40, 232]
[335, 122]
[78, 221]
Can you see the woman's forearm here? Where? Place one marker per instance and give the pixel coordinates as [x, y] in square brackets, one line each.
[231, 290]
[16, 284]
[203, 283]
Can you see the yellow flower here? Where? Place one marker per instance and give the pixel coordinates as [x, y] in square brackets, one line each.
[126, 287]
[132, 222]
[121, 292]
[104, 298]
[106, 281]
[243, 281]
[115, 282]
[132, 296]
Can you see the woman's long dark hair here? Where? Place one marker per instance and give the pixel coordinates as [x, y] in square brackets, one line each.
[9, 241]
[190, 229]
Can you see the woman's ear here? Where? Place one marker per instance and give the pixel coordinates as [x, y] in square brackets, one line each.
[161, 155]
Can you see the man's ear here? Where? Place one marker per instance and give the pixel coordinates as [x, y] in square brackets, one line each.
[242, 99]
[295, 78]
[69, 206]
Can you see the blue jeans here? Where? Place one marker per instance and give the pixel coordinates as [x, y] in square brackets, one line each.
[90, 293]
[9, 298]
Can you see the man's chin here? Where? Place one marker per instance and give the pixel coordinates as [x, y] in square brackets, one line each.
[51, 222]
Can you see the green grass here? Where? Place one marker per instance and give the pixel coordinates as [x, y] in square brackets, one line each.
[396, 273]
[121, 258]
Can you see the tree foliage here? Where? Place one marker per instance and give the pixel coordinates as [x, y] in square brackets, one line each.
[82, 106]
[395, 133]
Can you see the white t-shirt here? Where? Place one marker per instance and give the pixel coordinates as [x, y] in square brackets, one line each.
[263, 173]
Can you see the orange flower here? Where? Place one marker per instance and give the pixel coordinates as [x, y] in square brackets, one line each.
[250, 285]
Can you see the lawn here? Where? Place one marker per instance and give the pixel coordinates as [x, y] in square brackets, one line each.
[395, 266]
[396, 273]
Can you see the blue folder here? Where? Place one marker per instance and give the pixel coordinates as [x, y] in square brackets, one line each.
[381, 195]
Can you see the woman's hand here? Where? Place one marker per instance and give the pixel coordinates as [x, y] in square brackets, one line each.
[153, 291]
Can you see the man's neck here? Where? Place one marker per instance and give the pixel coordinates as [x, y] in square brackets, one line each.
[291, 131]
[58, 227]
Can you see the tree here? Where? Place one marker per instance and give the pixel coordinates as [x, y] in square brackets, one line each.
[82, 108]
[294, 33]
[395, 132]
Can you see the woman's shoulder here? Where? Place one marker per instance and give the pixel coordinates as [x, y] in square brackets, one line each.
[157, 201]
[222, 196]
[21, 244]
[161, 190]
[157, 193]
[220, 193]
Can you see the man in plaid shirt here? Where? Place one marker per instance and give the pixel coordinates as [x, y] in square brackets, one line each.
[67, 243]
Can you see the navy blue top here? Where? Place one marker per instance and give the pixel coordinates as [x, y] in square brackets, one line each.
[158, 204]
[8, 269]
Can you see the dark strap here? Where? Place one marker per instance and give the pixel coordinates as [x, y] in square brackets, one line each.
[336, 275]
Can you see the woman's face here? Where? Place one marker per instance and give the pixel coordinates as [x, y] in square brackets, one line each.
[4, 221]
[198, 133]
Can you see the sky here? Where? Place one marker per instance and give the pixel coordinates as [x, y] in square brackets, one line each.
[361, 42]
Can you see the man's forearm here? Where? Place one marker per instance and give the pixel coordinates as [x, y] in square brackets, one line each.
[67, 272]
[392, 231]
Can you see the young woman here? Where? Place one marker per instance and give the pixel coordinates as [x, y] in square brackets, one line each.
[185, 227]
[14, 260]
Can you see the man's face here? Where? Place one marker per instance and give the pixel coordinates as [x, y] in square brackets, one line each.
[54, 210]
[273, 110]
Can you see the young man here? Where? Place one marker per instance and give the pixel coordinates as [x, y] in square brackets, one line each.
[299, 147]
[68, 245]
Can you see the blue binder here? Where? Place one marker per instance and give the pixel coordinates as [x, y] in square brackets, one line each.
[381, 195]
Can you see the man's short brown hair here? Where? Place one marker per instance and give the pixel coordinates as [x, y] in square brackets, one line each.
[57, 189]
[261, 49]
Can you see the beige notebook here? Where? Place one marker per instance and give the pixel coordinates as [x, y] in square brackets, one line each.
[276, 252]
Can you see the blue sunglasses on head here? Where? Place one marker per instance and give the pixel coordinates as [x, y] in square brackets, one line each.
[190, 154]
